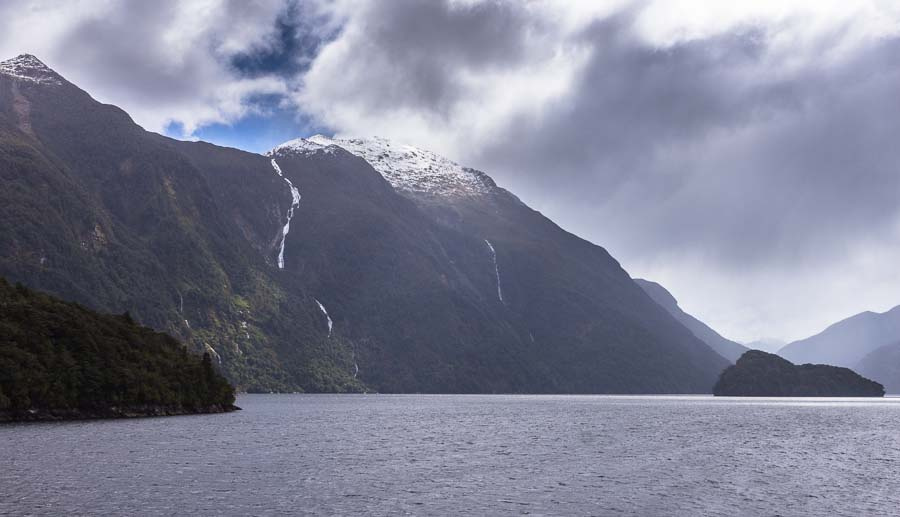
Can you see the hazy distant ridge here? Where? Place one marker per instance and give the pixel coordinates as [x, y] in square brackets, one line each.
[725, 347]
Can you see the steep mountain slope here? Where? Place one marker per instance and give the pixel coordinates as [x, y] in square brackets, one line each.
[563, 312]
[846, 342]
[182, 235]
[321, 267]
[725, 347]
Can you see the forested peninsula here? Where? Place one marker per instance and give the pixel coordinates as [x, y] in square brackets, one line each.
[59, 360]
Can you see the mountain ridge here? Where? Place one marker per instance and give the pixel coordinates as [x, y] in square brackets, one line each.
[307, 269]
[728, 349]
[846, 342]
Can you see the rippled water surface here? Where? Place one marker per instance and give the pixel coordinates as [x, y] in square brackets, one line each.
[477, 455]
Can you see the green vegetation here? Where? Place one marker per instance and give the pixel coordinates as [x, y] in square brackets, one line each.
[62, 359]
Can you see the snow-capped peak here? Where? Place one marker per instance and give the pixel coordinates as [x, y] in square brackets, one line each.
[405, 167]
[303, 146]
[29, 68]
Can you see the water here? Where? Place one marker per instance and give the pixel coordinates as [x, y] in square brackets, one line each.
[476, 455]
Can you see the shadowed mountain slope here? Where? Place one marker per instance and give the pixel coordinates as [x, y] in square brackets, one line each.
[725, 347]
[326, 266]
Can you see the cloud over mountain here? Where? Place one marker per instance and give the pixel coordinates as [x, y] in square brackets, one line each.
[743, 156]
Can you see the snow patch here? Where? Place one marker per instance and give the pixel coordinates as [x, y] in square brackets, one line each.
[405, 167]
[295, 202]
[29, 68]
[327, 317]
[412, 169]
[496, 268]
[303, 146]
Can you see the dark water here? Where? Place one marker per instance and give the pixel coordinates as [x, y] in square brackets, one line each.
[476, 455]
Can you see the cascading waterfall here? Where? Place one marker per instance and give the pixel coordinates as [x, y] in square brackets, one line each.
[496, 268]
[327, 317]
[295, 202]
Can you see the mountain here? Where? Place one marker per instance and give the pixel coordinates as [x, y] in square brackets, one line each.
[61, 360]
[327, 265]
[724, 347]
[760, 374]
[847, 342]
[883, 365]
[769, 345]
[569, 313]
[183, 235]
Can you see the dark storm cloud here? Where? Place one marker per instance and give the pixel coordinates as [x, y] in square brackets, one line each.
[118, 42]
[422, 53]
[703, 145]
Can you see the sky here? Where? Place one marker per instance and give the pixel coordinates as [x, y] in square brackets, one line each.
[743, 154]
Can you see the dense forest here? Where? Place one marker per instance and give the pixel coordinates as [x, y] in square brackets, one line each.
[59, 359]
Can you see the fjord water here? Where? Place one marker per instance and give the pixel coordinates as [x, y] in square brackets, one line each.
[476, 455]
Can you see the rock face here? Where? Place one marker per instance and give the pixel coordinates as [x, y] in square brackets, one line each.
[759, 374]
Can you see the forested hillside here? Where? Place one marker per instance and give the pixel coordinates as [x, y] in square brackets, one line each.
[59, 359]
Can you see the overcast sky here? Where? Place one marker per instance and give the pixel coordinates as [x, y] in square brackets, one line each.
[745, 156]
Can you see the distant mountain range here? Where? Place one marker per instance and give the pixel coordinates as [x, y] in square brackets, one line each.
[868, 342]
[325, 265]
[725, 347]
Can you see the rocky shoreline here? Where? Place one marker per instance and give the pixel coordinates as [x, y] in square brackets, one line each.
[51, 415]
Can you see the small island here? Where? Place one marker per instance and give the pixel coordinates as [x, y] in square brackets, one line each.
[759, 374]
[59, 360]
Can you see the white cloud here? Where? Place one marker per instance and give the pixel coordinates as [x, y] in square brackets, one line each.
[162, 61]
[739, 153]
